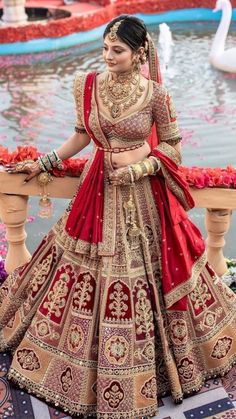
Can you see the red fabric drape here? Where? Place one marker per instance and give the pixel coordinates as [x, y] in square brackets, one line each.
[85, 220]
[182, 244]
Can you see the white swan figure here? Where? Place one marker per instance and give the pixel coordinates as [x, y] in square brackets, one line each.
[219, 58]
[166, 42]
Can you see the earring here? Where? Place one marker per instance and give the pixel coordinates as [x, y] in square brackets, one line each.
[143, 58]
[137, 63]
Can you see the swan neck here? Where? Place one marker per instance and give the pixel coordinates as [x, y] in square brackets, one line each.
[222, 31]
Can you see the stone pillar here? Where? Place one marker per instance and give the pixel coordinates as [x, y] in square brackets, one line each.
[14, 11]
[217, 224]
[13, 213]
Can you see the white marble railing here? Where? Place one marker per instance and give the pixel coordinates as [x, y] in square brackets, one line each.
[218, 202]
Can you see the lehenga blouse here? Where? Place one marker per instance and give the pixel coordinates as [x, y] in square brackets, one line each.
[134, 128]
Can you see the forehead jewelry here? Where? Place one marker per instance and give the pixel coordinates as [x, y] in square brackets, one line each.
[112, 34]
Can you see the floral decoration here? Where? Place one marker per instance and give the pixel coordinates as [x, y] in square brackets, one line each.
[208, 177]
[3, 273]
[67, 26]
[71, 167]
[198, 177]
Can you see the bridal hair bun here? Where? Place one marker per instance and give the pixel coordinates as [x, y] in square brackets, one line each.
[131, 30]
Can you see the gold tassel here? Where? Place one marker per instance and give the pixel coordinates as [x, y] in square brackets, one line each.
[134, 232]
[45, 203]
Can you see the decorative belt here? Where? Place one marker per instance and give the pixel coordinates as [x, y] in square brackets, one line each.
[120, 149]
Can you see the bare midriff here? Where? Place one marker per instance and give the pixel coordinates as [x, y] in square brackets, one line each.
[128, 157]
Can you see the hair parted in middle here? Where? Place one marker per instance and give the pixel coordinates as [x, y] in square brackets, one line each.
[131, 30]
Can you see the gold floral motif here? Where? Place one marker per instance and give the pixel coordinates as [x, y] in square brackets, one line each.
[186, 368]
[42, 328]
[117, 350]
[118, 306]
[222, 347]
[75, 338]
[209, 319]
[144, 314]
[56, 297]
[28, 359]
[149, 351]
[40, 273]
[179, 331]
[66, 379]
[149, 389]
[113, 394]
[83, 293]
[200, 295]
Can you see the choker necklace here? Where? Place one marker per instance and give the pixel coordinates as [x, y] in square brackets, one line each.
[119, 94]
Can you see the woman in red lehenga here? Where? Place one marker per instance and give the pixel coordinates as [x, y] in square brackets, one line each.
[118, 305]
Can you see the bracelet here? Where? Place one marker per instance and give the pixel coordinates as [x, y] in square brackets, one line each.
[138, 173]
[149, 166]
[156, 163]
[50, 161]
[131, 174]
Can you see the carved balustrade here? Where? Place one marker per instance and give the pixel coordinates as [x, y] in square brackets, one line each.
[218, 202]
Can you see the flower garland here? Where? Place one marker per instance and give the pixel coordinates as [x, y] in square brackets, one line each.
[198, 177]
[67, 26]
[72, 167]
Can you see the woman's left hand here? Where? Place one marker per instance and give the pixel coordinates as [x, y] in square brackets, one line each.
[120, 176]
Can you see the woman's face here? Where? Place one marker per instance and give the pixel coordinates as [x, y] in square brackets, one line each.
[118, 56]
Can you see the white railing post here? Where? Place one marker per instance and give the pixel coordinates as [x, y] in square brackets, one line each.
[13, 213]
[217, 223]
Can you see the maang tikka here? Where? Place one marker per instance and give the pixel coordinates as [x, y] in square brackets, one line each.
[113, 31]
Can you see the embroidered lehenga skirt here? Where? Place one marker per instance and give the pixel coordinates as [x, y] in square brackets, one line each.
[91, 333]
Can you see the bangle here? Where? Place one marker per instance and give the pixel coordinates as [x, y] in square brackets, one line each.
[156, 163]
[131, 174]
[138, 173]
[50, 161]
[149, 166]
[41, 164]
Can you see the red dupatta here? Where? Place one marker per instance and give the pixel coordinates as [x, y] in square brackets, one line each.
[182, 245]
[85, 221]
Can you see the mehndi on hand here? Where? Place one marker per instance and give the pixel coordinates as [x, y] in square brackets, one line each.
[122, 176]
[129, 174]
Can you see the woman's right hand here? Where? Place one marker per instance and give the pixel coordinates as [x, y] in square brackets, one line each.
[27, 166]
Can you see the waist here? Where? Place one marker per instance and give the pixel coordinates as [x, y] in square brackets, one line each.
[121, 149]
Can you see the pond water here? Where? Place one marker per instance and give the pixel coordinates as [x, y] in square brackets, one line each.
[37, 107]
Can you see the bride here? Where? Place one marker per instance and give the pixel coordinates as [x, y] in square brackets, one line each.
[118, 305]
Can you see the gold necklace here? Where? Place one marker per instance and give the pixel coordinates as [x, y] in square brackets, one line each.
[119, 94]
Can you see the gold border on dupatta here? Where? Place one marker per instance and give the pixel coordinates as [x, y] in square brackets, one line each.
[107, 246]
[174, 155]
[183, 289]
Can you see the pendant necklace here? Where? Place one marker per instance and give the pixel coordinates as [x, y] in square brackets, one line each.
[120, 94]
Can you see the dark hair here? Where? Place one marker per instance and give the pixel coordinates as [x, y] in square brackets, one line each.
[132, 31]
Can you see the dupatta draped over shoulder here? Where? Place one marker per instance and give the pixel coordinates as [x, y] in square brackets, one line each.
[180, 239]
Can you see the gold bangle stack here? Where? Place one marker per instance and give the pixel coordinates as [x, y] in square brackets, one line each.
[146, 167]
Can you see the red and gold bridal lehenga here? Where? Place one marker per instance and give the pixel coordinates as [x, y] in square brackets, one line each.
[109, 315]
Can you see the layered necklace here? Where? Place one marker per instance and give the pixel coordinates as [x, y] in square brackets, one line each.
[119, 94]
